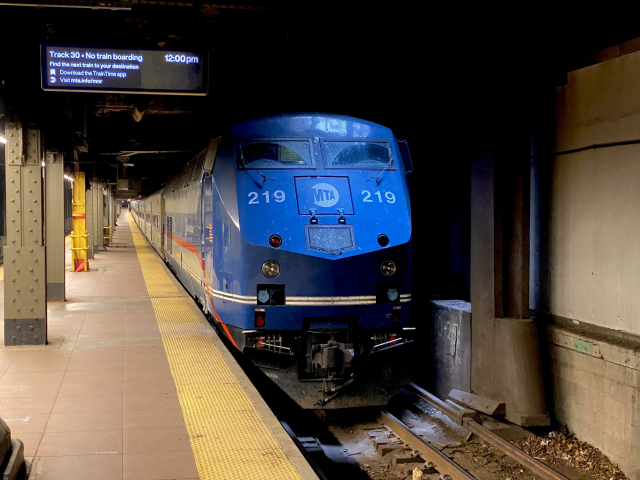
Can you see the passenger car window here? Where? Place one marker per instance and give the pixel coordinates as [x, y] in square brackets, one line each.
[364, 155]
[275, 153]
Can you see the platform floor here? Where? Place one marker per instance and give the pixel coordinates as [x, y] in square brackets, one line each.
[136, 385]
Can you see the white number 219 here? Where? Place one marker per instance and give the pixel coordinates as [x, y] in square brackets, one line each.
[278, 196]
[391, 198]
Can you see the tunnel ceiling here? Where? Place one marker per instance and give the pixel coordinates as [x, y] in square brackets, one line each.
[406, 67]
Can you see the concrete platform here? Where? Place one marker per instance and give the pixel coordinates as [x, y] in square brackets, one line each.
[101, 402]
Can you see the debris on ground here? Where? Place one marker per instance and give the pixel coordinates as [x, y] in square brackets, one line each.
[562, 448]
[486, 462]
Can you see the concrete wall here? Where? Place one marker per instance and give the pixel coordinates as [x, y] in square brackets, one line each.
[589, 255]
[595, 393]
[594, 253]
[448, 345]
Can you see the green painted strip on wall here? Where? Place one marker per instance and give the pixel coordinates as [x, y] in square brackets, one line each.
[582, 346]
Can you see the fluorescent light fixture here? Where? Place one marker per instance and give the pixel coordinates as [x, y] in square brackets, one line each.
[3, 139]
[67, 177]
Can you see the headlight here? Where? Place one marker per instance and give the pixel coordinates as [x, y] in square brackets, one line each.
[387, 268]
[271, 268]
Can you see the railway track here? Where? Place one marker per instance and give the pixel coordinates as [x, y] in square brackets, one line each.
[387, 432]
[438, 461]
[470, 420]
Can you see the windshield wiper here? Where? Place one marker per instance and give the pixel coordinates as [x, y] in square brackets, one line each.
[265, 179]
[377, 179]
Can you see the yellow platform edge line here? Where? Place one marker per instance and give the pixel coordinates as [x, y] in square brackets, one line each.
[228, 436]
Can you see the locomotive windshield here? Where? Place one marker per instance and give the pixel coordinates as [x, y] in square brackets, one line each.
[365, 155]
[275, 153]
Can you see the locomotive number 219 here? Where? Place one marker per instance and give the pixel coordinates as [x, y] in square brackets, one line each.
[278, 196]
[391, 198]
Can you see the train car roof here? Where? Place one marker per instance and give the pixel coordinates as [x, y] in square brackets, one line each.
[323, 125]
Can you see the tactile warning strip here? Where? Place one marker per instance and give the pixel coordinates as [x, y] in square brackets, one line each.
[137, 298]
[228, 436]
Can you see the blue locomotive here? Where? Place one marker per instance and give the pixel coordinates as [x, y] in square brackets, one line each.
[295, 237]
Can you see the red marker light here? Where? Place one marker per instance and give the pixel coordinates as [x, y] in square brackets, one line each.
[275, 241]
[392, 339]
[395, 315]
[260, 318]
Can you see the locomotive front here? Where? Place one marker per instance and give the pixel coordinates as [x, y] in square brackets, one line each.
[315, 278]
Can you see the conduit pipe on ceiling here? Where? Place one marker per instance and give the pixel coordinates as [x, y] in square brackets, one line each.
[591, 147]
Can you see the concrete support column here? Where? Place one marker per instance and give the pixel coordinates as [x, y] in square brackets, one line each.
[511, 207]
[505, 363]
[54, 225]
[25, 285]
[483, 305]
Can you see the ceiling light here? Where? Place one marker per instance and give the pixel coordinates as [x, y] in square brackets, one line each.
[3, 139]
[67, 177]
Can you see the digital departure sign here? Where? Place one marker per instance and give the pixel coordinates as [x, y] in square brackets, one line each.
[122, 70]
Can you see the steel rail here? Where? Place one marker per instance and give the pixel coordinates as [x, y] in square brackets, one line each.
[506, 447]
[440, 461]
[456, 412]
[509, 449]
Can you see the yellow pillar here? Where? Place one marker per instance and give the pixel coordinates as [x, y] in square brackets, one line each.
[79, 235]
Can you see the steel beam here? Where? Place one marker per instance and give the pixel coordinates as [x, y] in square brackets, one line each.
[96, 204]
[25, 286]
[79, 235]
[90, 224]
[92, 4]
[102, 219]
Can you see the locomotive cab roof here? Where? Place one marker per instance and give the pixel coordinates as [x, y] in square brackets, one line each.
[321, 125]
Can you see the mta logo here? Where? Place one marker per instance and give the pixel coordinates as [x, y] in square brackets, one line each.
[325, 195]
[263, 296]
